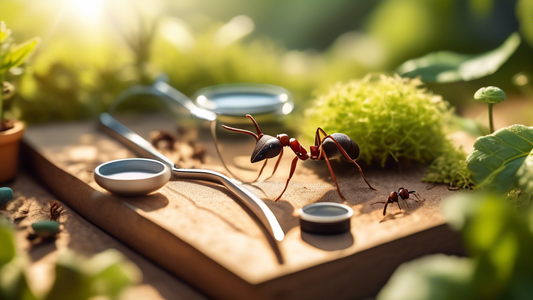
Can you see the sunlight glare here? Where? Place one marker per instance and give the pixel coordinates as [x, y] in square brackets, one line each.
[87, 11]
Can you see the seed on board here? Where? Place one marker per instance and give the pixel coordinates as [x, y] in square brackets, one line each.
[45, 229]
[6, 194]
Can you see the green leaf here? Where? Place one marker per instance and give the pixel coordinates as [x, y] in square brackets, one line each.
[18, 55]
[105, 274]
[7, 243]
[71, 282]
[447, 66]
[431, 278]
[13, 283]
[497, 157]
[112, 273]
[525, 174]
[523, 14]
[498, 237]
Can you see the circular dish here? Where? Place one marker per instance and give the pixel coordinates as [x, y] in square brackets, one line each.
[132, 176]
[325, 218]
[236, 100]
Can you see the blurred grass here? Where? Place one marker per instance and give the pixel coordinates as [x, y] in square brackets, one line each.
[92, 51]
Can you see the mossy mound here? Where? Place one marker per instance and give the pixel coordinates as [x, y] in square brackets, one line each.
[388, 116]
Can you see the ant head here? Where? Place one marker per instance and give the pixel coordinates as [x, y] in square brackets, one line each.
[404, 193]
[266, 147]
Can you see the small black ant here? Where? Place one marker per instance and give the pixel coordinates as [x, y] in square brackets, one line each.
[404, 194]
[325, 148]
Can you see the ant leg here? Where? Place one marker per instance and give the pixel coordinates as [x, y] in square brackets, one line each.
[398, 202]
[261, 171]
[385, 208]
[345, 156]
[277, 164]
[417, 196]
[293, 167]
[318, 143]
[317, 136]
[333, 175]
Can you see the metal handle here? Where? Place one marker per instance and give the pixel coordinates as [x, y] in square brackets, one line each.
[144, 148]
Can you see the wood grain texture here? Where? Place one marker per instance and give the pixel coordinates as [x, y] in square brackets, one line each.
[200, 233]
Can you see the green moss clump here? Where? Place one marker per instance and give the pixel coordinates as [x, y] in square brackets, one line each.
[388, 117]
[450, 168]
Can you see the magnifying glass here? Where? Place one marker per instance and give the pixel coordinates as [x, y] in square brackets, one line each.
[226, 102]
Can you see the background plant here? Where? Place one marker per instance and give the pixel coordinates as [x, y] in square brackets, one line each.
[11, 56]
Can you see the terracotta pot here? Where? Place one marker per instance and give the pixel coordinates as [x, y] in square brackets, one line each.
[9, 151]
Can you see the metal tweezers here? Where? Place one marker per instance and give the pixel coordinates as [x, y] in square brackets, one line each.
[136, 143]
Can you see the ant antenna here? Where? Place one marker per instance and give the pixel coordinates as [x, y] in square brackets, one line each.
[256, 136]
[241, 131]
[259, 133]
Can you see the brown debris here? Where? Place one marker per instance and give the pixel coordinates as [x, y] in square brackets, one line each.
[163, 137]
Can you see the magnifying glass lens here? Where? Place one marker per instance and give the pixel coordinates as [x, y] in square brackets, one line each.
[242, 99]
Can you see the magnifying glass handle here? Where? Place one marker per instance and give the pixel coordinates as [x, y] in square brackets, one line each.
[144, 148]
[177, 96]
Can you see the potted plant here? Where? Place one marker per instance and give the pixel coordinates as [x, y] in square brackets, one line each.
[11, 131]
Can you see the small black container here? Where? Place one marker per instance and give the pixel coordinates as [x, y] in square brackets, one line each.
[325, 218]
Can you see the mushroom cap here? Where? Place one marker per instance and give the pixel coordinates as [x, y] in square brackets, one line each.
[490, 94]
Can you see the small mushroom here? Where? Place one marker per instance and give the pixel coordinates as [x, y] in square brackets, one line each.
[490, 95]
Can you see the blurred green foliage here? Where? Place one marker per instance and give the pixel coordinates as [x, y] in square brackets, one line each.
[446, 66]
[104, 275]
[206, 61]
[523, 12]
[94, 49]
[499, 238]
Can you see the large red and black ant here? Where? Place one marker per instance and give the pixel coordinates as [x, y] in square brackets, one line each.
[331, 146]
[404, 194]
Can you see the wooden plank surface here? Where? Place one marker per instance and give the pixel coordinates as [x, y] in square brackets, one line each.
[30, 204]
[199, 232]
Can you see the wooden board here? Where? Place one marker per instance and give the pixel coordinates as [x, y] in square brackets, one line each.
[200, 233]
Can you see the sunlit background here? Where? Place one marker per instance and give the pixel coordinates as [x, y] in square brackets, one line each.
[92, 49]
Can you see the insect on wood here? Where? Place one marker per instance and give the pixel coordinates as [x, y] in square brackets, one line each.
[326, 147]
[55, 210]
[402, 193]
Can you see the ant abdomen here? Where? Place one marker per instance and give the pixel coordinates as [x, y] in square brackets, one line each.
[404, 193]
[349, 145]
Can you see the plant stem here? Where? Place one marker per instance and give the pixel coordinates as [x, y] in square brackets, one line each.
[490, 118]
[2, 78]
